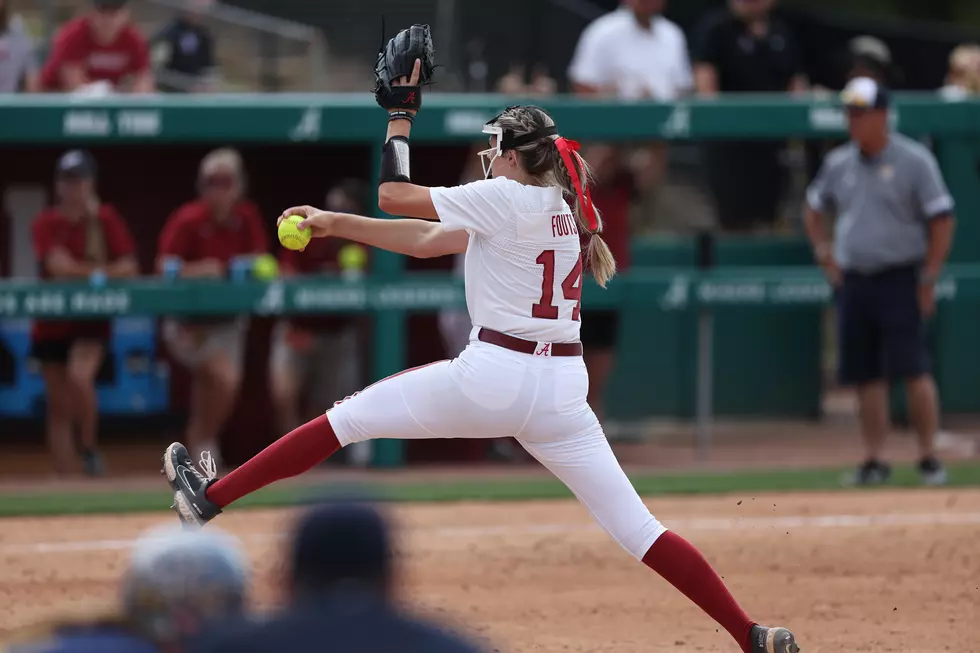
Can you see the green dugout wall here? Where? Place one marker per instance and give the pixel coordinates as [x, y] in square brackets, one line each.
[766, 355]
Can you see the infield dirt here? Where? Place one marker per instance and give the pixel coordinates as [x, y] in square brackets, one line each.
[860, 571]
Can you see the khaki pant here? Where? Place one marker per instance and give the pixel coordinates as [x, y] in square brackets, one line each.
[328, 371]
[192, 344]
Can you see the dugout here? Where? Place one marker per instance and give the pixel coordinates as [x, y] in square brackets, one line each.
[767, 358]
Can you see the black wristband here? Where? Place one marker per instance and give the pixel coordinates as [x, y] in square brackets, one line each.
[395, 161]
[401, 115]
[403, 97]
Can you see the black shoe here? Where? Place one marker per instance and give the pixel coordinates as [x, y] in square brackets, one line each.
[92, 463]
[932, 471]
[189, 485]
[772, 640]
[872, 472]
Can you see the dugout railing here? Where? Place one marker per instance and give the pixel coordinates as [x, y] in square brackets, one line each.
[299, 122]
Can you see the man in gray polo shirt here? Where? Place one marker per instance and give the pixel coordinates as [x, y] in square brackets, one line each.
[893, 231]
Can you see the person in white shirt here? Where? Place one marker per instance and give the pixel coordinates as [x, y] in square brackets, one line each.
[633, 53]
[522, 373]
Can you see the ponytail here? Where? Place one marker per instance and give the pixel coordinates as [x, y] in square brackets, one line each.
[600, 260]
[554, 161]
[574, 175]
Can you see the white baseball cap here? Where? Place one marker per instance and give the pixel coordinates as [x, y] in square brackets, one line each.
[865, 93]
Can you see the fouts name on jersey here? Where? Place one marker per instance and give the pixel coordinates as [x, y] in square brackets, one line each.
[563, 224]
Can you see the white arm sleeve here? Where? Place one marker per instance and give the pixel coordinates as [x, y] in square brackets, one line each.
[820, 195]
[481, 207]
[930, 189]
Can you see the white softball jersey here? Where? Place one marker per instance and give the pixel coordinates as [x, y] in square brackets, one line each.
[523, 278]
[523, 269]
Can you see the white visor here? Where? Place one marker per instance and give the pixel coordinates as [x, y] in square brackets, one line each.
[489, 155]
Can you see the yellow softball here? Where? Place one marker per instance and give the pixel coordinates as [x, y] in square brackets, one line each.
[291, 236]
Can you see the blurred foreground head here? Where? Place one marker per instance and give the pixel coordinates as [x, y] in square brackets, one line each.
[342, 546]
[180, 581]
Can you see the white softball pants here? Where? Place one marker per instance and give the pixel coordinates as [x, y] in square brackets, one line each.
[491, 392]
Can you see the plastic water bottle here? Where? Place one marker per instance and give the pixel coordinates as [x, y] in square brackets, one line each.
[171, 268]
[97, 278]
[241, 268]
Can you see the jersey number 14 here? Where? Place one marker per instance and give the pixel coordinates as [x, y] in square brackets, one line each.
[571, 288]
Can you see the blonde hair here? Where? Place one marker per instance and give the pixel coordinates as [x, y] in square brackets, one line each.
[542, 161]
[223, 159]
[964, 67]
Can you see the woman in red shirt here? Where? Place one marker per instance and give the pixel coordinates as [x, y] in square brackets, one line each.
[100, 46]
[201, 240]
[78, 238]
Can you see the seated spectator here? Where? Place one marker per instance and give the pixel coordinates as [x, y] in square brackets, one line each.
[963, 78]
[316, 357]
[201, 239]
[77, 238]
[100, 51]
[744, 48]
[18, 60]
[341, 585]
[183, 52]
[515, 81]
[178, 583]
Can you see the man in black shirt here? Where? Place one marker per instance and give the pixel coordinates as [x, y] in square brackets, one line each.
[183, 52]
[341, 585]
[745, 49]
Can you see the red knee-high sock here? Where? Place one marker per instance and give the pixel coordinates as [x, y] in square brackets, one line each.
[291, 455]
[685, 568]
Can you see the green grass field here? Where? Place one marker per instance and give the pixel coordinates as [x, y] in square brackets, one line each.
[497, 489]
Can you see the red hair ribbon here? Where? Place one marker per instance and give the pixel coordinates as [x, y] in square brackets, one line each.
[567, 148]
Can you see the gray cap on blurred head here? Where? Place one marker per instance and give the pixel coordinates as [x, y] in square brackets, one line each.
[179, 580]
[76, 163]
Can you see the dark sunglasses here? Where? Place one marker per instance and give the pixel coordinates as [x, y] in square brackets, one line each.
[110, 7]
[219, 182]
[858, 112]
[73, 177]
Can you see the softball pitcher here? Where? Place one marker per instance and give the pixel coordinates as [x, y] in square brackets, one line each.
[522, 374]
